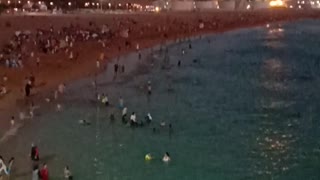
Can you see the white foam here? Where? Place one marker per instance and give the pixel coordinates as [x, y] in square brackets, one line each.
[11, 132]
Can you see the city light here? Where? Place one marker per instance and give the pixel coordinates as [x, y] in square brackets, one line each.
[157, 9]
[109, 4]
[69, 4]
[93, 4]
[19, 2]
[28, 2]
[9, 2]
[51, 3]
[39, 2]
[276, 3]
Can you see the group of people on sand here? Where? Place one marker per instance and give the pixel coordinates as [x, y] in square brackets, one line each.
[43, 172]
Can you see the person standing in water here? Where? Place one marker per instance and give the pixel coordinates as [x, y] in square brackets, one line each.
[10, 164]
[133, 119]
[121, 102]
[67, 173]
[44, 173]
[34, 153]
[148, 118]
[124, 115]
[35, 173]
[166, 157]
[149, 88]
[179, 63]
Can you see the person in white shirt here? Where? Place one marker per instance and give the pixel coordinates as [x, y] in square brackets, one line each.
[148, 118]
[105, 100]
[3, 167]
[166, 157]
[133, 119]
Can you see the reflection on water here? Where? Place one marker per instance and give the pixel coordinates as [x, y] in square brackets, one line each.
[273, 37]
[277, 136]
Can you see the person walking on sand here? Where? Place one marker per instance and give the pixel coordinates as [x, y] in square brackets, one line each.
[12, 121]
[27, 89]
[44, 173]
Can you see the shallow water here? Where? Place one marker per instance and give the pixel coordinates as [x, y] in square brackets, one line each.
[247, 109]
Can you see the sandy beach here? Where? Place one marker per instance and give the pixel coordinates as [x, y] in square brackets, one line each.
[145, 30]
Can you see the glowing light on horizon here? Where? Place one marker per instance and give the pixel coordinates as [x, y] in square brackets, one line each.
[9, 2]
[51, 3]
[277, 3]
[69, 3]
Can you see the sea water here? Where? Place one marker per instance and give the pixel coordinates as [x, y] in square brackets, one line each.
[243, 105]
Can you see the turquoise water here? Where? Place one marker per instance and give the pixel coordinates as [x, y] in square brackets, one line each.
[248, 109]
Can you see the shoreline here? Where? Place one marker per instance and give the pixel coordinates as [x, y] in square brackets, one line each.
[9, 104]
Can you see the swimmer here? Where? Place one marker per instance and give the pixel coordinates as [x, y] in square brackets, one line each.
[148, 157]
[166, 157]
[162, 124]
[84, 122]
